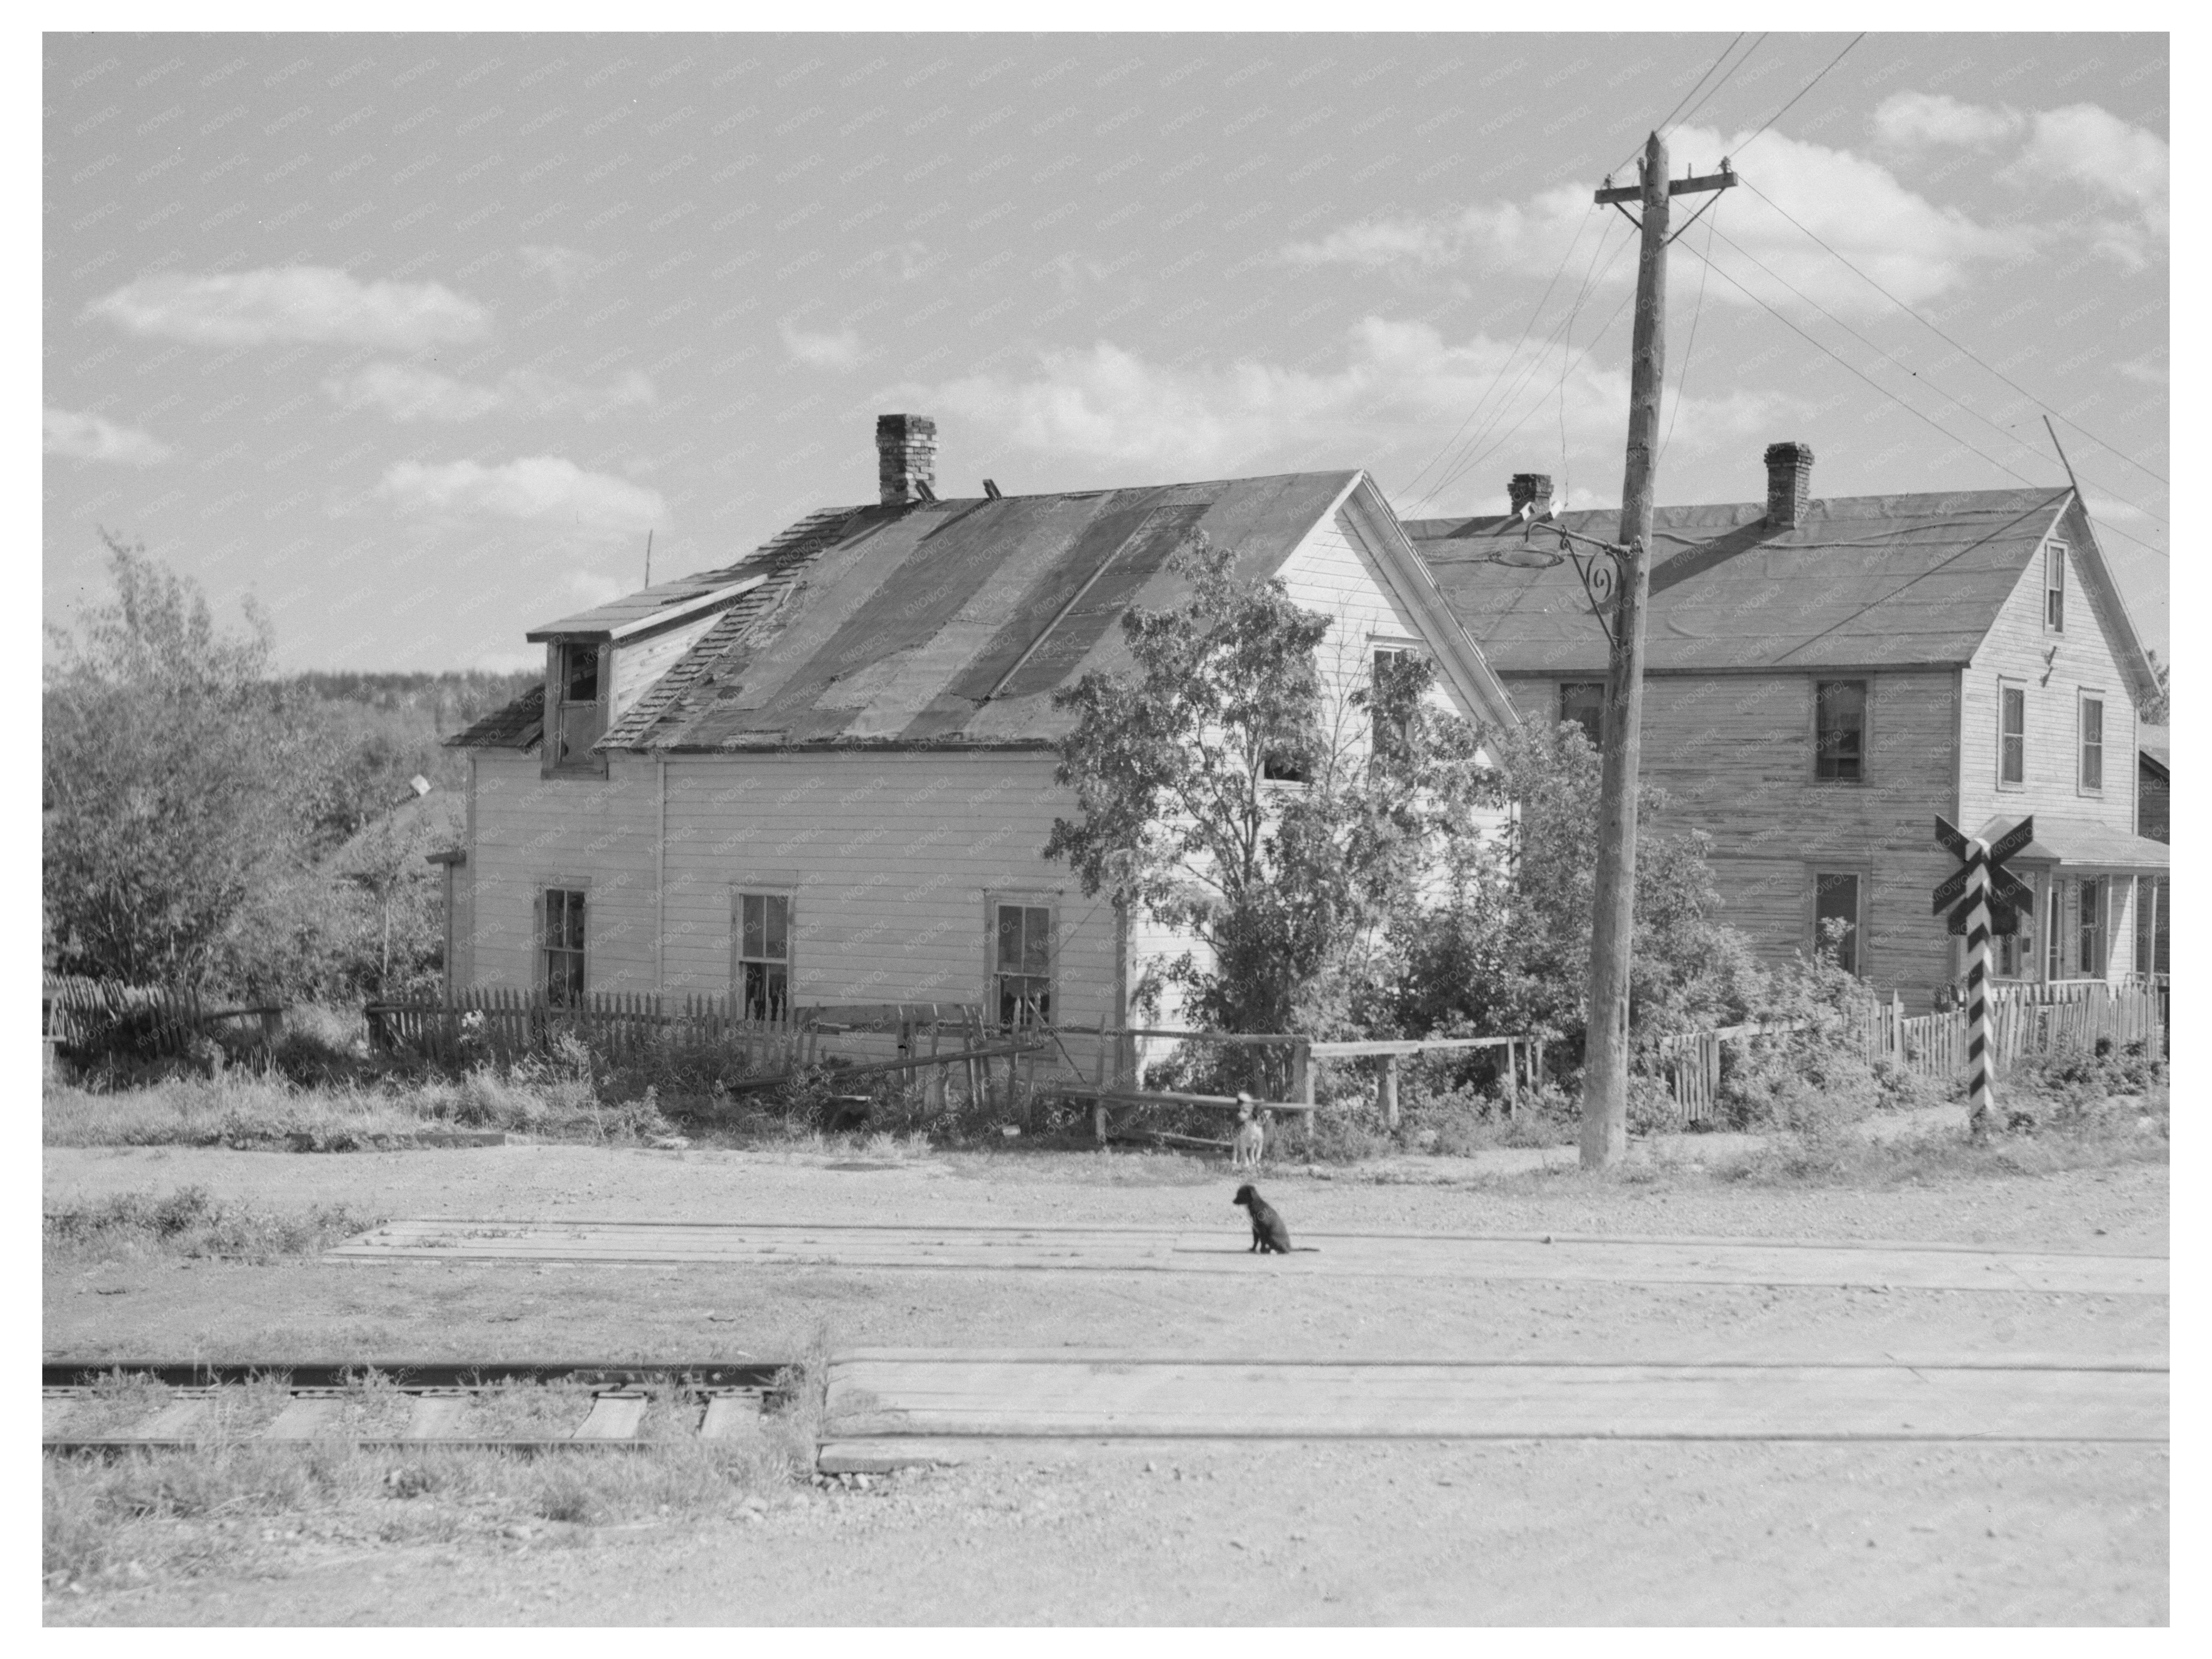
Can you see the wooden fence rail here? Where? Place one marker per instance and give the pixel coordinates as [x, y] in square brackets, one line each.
[86, 1013]
[2025, 1019]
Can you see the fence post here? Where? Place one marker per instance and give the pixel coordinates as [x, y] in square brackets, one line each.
[1302, 1071]
[1386, 1091]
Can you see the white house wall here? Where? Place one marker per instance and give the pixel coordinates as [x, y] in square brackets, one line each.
[889, 858]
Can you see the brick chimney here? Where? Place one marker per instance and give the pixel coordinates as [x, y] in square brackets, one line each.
[906, 459]
[1528, 487]
[1789, 484]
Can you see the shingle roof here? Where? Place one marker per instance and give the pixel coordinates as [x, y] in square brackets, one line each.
[954, 621]
[518, 725]
[2072, 843]
[1866, 580]
[948, 622]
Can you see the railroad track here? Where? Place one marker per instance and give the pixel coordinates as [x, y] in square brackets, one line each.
[118, 1405]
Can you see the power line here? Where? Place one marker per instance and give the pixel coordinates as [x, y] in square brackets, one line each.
[1801, 91]
[1925, 381]
[1682, 379]
[1723, 81]
[1917, 415]
[1456, 467]
[1691, 94]
[1947, 340]
[1517, 344]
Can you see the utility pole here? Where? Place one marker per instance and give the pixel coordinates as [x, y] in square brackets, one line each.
[1606, 1052]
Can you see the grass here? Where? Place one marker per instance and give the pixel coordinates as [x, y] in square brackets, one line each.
[188, 1222]
[231, 1504]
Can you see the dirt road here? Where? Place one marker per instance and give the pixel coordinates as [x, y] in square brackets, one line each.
[1526, 1531]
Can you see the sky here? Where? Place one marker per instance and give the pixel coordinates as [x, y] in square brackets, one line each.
[415, 339]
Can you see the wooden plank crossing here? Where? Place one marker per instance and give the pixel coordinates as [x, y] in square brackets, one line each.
[894, 1404]
[1129, 1249]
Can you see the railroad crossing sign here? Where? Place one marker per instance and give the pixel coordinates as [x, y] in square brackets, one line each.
[1989, 899]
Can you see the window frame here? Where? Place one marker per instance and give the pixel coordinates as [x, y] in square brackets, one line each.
[739, 960]
[1597, 737]
[2008, 689]
[2055, 552]
[585, 763]
[1379, 646]
[1025, 900]
[543, 948]
[2092, 920]
[1866, 683]
[2083, 696]
[1863, 873]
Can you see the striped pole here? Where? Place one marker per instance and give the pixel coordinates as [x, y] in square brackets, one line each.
[1979, 1095]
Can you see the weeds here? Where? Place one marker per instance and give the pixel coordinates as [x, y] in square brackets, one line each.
[188, 1222]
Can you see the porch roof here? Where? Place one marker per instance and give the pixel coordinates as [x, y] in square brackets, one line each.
[2072, 845]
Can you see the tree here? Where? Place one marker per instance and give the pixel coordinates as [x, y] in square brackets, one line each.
[1227, 794]
[166, 770]
[1508, 950]
[2157, 709]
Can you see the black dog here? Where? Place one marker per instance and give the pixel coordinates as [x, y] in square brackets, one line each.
[1268, 1233]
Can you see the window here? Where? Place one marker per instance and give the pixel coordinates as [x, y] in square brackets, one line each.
[2012, 735]
[562, 930]
[1839, 731]
[1285, 764]
[2093, 744]
[578, 719]
[1021, 965]
[1388, 737]
[1581, 702]
[763, 975]
[2054, 929]
[2054, 587]
[2090, 963]
[1836, 898]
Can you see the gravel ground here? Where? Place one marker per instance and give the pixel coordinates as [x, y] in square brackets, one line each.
[1521, 1533]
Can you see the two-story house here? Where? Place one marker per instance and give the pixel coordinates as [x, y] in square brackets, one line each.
[823, 772]
[1824, 676]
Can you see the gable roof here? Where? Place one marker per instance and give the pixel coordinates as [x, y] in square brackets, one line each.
[949, 622]
[1865, 581]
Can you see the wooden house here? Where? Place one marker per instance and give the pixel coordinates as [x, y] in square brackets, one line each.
[2154, 818]
[823, 772]
[1824, 676]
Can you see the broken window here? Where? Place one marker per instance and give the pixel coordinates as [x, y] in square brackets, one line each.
[764, 955]
[580, 719]
[1581, 702]
[1022, 965]
[1839, 731]
[562, 930]
[1836, 899]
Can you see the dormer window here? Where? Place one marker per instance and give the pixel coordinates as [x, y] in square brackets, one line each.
[579, 711]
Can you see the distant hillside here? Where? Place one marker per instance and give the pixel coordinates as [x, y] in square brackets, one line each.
[451, 700]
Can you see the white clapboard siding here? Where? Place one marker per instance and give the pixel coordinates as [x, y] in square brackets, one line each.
[1734, 755]
[2017, 651]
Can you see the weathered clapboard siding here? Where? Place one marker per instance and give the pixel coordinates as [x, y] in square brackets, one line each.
[2017, 652]
[887, 857]
[1734, 753]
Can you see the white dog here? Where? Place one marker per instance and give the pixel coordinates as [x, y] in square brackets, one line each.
[1251, 1140]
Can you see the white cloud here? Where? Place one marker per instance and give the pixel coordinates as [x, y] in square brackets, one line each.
[1907, 120]
[537, 489]
[840, 351]
[564, 267]
[94, 438]
[587, 588]
[1399, 387]
[2150, 369]
[408, 393]
[1916, 249]
[2095, 152]
[293, 302]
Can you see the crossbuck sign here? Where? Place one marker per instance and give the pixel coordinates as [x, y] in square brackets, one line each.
[1984, 899]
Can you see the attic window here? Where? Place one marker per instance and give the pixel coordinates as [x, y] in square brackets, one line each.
[2054, 587]
[581, 718]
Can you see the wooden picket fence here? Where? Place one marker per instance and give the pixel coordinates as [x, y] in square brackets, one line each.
[2024, 1018]
[85, 1013]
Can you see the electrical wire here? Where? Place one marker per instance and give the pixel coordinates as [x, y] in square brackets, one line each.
[1718, 84]
[1691, 94]
[2010, 436]
[1946, 339]
[1801, 91]
[1682, 379]
[1916, 414]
